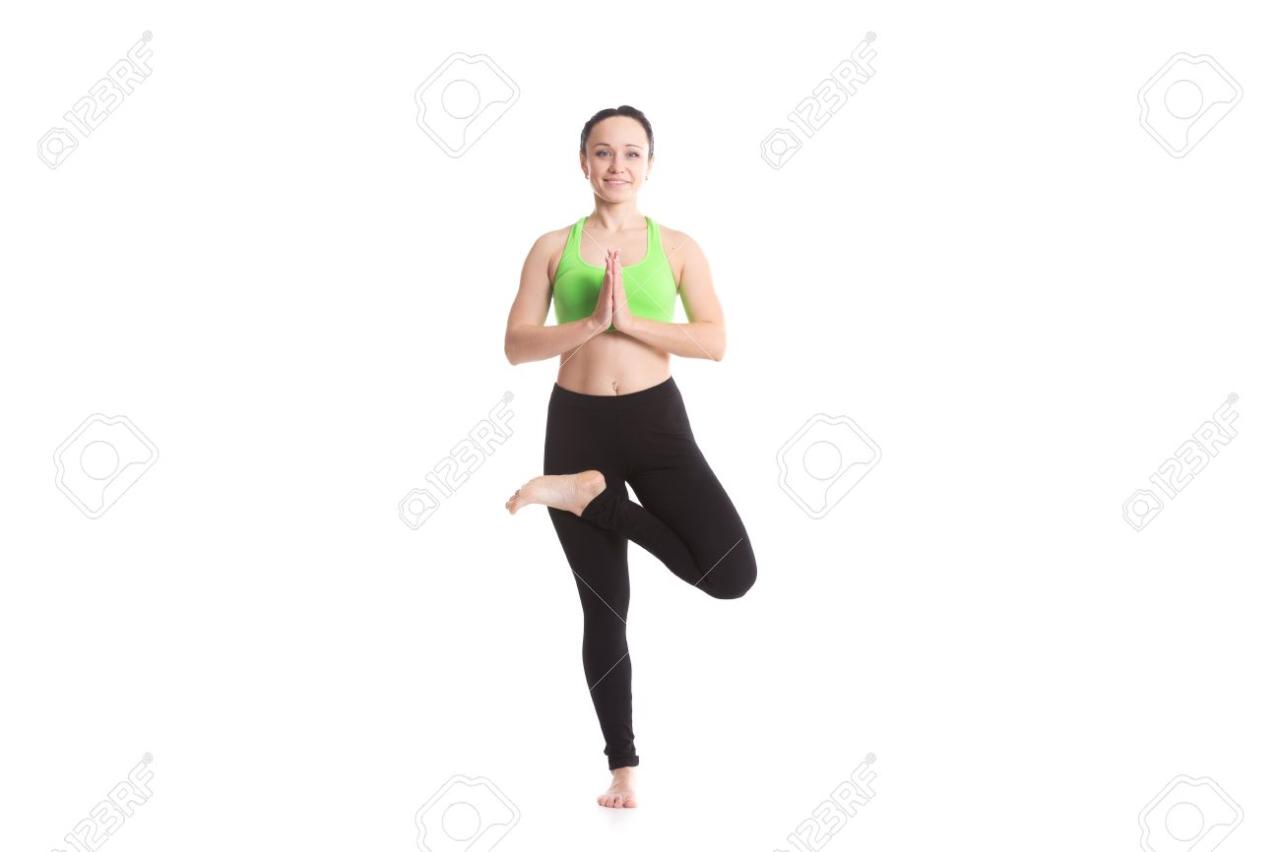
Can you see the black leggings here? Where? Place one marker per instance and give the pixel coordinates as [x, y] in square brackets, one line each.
[684, 518]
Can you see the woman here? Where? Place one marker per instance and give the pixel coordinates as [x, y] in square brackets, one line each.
[615, 415]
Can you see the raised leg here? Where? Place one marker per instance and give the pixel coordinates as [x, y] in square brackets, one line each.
[686, 520]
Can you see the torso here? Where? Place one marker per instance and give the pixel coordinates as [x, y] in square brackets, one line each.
[612, 363]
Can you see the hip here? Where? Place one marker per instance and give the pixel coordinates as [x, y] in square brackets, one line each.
[647, 423]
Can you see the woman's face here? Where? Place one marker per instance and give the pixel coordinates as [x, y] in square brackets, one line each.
[617, 159]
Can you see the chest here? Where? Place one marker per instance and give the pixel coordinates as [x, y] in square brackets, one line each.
[633, 245]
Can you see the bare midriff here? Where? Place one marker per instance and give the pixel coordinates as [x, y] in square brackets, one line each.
[613, 363]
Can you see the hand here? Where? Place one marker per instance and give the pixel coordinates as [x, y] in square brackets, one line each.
[621, 310]
[602, 316]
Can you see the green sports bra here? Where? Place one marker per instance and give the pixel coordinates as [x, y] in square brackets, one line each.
[650, 285]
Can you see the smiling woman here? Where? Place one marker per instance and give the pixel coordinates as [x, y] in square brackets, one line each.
[616, 417]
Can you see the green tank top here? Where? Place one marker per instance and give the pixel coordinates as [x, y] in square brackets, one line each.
[649, 284]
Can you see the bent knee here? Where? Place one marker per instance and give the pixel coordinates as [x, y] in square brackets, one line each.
[733, 583]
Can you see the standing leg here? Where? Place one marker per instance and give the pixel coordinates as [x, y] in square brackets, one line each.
[583, 437]
[598, 559]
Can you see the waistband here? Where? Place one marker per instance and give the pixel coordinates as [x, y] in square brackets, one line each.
[665, 389]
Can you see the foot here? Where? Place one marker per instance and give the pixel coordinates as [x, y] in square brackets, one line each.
[622, 792]
[570, 491]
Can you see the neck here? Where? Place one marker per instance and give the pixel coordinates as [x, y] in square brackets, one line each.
[616, 217]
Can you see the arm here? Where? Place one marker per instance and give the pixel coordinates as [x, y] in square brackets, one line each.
[528, 338]
[704, 335]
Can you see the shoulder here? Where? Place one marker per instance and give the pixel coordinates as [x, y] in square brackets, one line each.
[548, 247]
[552, 238]
[682, 250]
[676, 242]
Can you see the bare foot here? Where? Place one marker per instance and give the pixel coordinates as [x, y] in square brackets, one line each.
[622, 792]
[569, 491]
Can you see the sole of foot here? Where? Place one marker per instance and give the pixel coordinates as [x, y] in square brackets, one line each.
[570, 491]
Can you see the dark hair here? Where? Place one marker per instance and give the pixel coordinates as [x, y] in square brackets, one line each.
[629, 112]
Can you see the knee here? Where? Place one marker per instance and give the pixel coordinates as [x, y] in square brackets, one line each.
[604, 627]
[734, 579]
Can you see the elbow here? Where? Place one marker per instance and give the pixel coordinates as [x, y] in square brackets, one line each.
[518, 347]
[717, 351]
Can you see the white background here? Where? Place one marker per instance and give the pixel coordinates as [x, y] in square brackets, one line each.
[982, 258]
